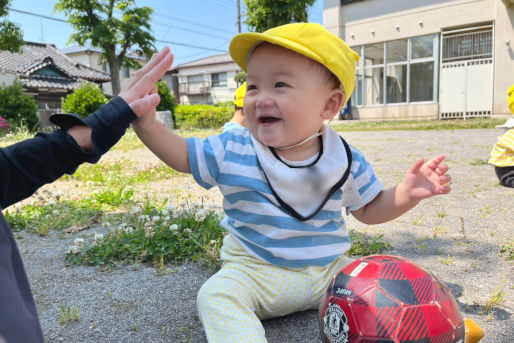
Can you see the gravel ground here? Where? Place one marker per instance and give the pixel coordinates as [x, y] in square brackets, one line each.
[458, 237]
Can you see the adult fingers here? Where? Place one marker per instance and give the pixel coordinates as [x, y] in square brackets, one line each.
[151, 75]
[145, 104]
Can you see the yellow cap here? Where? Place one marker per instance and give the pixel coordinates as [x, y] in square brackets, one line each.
[510, 98]
[239, 95]
[308, 39]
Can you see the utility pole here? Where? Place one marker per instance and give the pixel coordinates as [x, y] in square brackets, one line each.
[238, 16]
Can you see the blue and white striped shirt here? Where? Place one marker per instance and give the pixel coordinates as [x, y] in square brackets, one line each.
[255, 217]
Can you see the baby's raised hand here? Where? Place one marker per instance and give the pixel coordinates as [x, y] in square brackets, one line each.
[424, 180]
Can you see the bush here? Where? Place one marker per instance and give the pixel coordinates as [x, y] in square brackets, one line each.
[202, 116]
[18, 108]
[168, 100]
[84, 100]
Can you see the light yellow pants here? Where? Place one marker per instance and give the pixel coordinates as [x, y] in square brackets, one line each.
[233, 301]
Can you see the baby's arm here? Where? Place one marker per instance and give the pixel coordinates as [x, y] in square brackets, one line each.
[168, 146]
[421, 181]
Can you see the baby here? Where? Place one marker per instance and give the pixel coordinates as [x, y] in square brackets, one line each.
[285, 180]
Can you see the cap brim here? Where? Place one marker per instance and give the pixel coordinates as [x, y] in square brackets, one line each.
[242, 44]
[65, 121]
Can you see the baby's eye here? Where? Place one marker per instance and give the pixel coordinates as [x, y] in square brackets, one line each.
[250, 87]
[280, 84]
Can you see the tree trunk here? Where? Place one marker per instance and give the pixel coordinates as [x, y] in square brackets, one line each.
[114, 66]
[115, 77]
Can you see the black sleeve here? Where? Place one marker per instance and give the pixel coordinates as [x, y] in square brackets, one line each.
[29, 164]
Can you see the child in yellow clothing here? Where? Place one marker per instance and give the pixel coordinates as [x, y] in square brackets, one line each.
[502, 155]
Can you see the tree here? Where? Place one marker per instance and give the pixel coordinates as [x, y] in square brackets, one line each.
[84, 100]
[129, 31]
[18, 108]
[168, 100]
[11, 36]
[262, 15]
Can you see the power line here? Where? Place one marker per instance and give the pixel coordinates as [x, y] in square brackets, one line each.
[188, 30]
[192, 23]
[157, 40]
[189, 45]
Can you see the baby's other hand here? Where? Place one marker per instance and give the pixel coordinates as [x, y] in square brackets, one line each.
[424, 180]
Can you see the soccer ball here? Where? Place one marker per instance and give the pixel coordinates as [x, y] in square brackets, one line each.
[388, 299]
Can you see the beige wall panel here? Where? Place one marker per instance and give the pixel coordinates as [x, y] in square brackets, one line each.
[405, 18]
[503, 57]
[418, 111]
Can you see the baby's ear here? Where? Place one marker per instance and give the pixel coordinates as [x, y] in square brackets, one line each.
[334, 102]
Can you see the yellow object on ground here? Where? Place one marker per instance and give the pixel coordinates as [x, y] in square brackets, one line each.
[474, 333]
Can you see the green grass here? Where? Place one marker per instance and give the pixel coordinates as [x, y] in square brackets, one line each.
[424, 124]
[156, 234]
[364, 244]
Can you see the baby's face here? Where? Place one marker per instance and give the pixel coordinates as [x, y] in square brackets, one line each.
[285, 95]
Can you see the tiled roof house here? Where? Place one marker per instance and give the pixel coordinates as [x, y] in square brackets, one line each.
[46, 73]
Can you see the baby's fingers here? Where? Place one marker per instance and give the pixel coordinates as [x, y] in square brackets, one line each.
[442, 169]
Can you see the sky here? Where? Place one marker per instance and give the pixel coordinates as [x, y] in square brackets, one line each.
[207, 25]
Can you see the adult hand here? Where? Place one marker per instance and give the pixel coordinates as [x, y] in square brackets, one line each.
[141, 91]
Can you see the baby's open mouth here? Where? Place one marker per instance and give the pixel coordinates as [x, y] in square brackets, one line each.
[267, 120]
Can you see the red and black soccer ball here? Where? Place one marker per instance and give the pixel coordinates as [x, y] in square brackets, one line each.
[389, 299]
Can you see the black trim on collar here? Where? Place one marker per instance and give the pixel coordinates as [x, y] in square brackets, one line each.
[308, 165]
[332, 190]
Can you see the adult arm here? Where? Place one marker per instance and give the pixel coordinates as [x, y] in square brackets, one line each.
[27, 165]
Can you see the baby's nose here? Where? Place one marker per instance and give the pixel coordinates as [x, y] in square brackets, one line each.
[264, 99]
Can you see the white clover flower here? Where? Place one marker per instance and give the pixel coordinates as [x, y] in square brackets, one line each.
[183, 204]
[98, 237]
[73, 249]
[106, 224]
[156, 218]
[51, 203]
[78, 242]
[55, 212]
[170, 208]
[129, 230]
[189, 231]
[200, 215]
[137, 210]
[213, 242]
[173, 227]
[89, 183]
[150, 234]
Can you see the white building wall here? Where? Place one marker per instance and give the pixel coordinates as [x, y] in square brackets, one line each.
[6, 78]
[374, 21]
[216, 94]
[93, 60]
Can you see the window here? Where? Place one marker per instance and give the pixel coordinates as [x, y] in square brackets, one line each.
[374, 84]
[125, 72]
[106, 68]
[400, 71]
[396, 51]
[374, 54]
[421, 81]
[219, 79]
[423, 46]
[396, 84]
